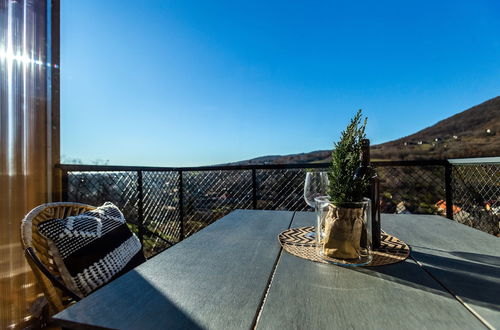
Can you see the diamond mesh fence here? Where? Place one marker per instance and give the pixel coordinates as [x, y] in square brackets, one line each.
[412, 189]
[95, 188]
[476, 196]
[159, 202]
[170, 208]
[281, 189]
[161, 209]
[210, 195]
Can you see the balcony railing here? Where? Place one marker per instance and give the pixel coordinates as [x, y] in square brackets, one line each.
[165, 204]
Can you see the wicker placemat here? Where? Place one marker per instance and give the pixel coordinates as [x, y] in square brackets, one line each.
[295, 241]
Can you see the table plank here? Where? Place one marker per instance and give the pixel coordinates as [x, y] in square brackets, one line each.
[215, 279]
[304, 294]
[465, 260]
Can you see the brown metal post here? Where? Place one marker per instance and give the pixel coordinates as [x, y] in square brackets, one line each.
[448, 190]
[254, 189]
[181, 206]
[64, 185]
[375, 197]
[140, 207]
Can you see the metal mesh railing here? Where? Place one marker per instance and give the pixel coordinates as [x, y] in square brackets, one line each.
[476, 195]
[209, 195]
[96, 187]
[165, 205]
[147, 199]
[160, 209]
[281, 189]
[412, 189]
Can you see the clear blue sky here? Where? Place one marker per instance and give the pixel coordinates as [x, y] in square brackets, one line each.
[181, 83]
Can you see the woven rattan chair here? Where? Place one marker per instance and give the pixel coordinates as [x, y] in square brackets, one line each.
[39, 258]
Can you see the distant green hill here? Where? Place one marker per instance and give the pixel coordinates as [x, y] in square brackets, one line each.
[471, 133]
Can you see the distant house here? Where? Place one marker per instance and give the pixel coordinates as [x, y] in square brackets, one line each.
[437, 139]
[490, 206]
[441, 206]
[420, 143]
[455, 137]
[401, 208]
[463, 217]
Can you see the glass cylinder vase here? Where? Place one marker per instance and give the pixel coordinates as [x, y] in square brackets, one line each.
[344, 234]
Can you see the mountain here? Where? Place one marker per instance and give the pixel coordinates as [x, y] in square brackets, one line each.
[471, 133]
[303, 158]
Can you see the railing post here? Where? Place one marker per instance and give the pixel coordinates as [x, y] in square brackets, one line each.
[254, 188]
[64, 185]
[448, 190]
[140, 207]
[181, 205]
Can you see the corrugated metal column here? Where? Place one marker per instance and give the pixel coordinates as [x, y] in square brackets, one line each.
[29, 146]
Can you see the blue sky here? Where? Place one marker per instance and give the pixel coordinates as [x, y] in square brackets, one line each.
[184, 83]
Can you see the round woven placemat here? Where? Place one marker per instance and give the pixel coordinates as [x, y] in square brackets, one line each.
[295, 241]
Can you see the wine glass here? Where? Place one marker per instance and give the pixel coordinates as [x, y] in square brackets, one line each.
[316, 185]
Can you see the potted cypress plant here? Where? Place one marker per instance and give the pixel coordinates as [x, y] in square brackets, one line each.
[345, 233]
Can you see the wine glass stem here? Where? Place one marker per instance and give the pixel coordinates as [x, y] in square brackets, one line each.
[313, 233]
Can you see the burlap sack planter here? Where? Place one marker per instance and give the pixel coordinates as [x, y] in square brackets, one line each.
[345, 232]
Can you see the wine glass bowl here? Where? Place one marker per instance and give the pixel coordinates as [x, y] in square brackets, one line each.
[316, 185]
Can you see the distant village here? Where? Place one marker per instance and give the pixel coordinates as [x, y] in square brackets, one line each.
[437, 140]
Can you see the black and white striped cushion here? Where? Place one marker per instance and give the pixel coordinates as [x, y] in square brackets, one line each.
[92, 248]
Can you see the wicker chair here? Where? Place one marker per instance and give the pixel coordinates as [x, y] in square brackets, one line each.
[38, 255]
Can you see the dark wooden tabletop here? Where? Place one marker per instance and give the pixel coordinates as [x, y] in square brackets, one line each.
[234, 275]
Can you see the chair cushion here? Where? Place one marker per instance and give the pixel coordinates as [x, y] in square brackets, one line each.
[92, 248]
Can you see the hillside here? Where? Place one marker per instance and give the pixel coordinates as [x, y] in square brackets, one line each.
[462, 135]
[471, 133]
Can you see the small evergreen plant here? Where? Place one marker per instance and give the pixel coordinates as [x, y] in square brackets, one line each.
[345, 160]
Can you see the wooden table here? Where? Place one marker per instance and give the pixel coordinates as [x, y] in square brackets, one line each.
[234, 275]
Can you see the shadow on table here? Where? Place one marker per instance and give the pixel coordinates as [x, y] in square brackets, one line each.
[477, 257]
[482, 258]
[476, 281]
[133, 303]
